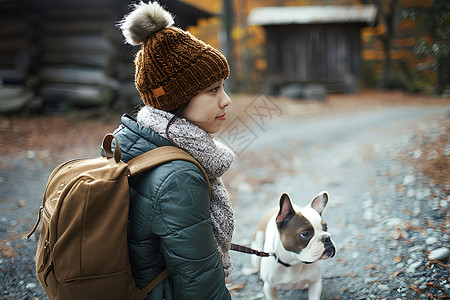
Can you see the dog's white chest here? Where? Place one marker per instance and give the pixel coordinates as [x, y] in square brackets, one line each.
[291, 278]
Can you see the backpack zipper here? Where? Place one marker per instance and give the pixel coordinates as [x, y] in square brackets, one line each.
[45, 254]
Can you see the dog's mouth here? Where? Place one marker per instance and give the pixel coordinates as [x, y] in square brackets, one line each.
[328, 253]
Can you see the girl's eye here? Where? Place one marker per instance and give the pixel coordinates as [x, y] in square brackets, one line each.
[214, 90]
[305, 234]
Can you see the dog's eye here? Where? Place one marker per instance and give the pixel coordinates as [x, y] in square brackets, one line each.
[305, 234]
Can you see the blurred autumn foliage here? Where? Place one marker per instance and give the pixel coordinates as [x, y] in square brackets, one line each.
[388, 56]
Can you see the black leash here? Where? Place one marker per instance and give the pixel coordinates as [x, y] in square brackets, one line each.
[248, 250]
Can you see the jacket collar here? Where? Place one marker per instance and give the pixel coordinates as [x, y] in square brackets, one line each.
[135, 139]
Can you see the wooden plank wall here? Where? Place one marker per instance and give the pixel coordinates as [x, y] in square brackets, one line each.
[321, 53]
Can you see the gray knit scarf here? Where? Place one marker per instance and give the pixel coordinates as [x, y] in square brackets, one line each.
[215, 158]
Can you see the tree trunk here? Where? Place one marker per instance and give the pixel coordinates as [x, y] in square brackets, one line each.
[227, 41]
[390, 21]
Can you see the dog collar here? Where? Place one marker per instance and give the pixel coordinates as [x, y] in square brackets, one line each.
[282, 263]
[258, 253]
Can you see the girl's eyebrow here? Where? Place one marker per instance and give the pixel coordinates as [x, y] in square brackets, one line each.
[215, 84]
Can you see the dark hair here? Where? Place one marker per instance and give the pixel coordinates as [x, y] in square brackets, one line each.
[137, 109]
[176, 114]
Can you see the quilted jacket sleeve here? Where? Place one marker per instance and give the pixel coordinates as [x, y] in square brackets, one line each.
[182, 221]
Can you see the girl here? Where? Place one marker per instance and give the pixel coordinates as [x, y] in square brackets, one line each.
[173, 221]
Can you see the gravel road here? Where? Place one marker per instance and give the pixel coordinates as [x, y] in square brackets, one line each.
[383, 217]
[386, 218]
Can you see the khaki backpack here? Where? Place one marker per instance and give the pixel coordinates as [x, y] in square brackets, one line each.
[82, 252]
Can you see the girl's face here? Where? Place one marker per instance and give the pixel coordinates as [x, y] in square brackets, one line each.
[208, 109]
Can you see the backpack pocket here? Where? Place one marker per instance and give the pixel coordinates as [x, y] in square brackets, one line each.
[112, 286]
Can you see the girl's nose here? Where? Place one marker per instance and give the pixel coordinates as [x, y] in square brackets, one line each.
[225, 101]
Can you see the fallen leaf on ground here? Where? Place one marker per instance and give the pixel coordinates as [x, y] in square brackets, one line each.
[415, 289]
[397, 234]
[396, 273]
[370, 267]
[236, 287]
[439, 263]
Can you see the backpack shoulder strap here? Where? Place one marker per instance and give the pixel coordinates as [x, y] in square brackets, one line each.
[160, 156]
[150, 160]
[158, 279]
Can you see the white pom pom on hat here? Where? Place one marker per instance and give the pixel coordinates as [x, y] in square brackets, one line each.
[143, 21]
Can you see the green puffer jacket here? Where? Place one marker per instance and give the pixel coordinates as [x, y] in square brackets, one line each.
[170, 223]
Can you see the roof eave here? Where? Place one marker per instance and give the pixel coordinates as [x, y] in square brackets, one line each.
[303, 15]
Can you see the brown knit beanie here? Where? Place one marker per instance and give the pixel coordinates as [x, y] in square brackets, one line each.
[172, 66]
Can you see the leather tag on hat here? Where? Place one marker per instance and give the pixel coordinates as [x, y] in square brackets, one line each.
[159, 91]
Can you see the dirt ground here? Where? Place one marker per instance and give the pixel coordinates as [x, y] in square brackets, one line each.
[32, 145]
[53, 138]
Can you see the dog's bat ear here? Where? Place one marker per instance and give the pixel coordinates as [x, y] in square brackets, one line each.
[320, 202]
[286, 211]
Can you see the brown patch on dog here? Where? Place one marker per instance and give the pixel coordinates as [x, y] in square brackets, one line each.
[296, 234]
[295, 230]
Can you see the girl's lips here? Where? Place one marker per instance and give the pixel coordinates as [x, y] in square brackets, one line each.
[222, 117]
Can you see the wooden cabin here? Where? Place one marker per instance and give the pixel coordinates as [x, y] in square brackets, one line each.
[62, 54]
[313, 46]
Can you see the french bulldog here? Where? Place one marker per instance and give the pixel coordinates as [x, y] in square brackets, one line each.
[298, 239]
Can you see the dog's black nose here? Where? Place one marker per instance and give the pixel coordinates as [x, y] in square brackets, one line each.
[326, 239]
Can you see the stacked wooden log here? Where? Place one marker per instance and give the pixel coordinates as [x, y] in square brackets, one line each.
[17, 61]
[76, 53]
